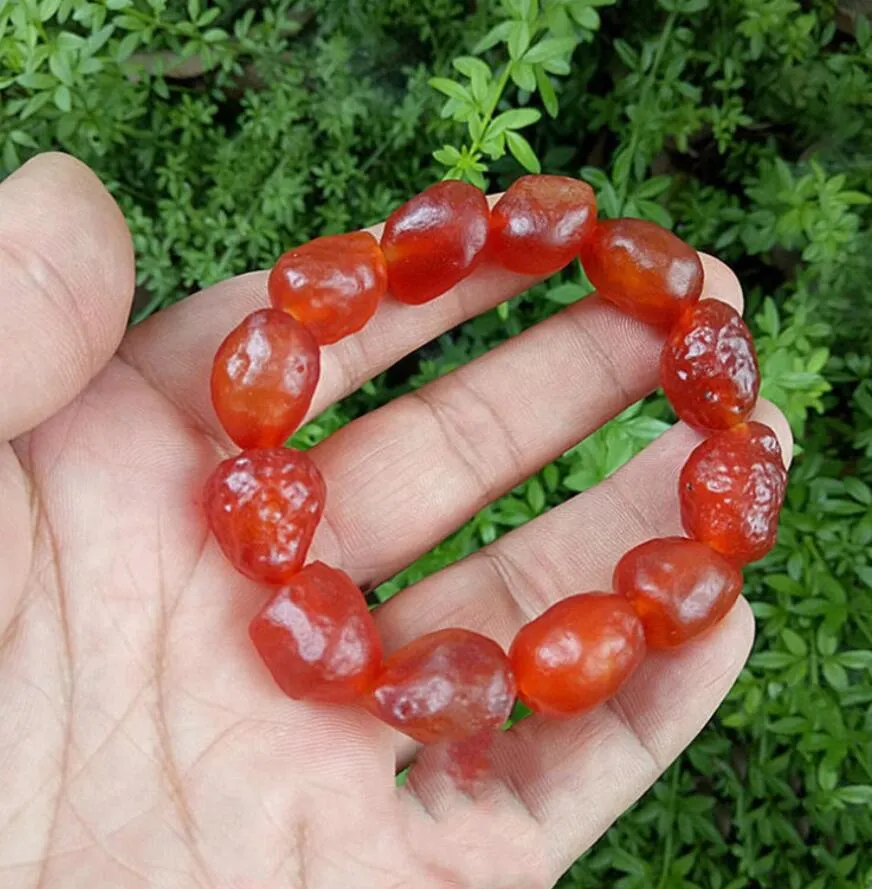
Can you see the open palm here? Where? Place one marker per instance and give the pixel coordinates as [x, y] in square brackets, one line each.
[141, 741]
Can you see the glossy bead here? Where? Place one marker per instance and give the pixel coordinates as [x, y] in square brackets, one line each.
[679, 588]
[731, 489]
[263, 379]
[435, 240]
[708, 367]
[317, 637]
[332, 285]
[263, 507]
[445, 686]
[645, 270]
[539, 224]
[577, 654]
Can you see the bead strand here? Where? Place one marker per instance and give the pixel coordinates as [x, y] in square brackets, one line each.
[316, 634]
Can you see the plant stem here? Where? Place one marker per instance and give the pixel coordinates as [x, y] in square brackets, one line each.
[475, 149]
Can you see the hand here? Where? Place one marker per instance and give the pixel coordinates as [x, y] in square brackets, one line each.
[142, 743]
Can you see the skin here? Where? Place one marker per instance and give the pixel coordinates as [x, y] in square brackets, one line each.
[142, 743]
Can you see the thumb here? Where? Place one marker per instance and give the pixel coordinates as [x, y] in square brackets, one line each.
[66, 284]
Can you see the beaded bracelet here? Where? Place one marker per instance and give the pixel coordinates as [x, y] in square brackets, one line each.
[317, 635]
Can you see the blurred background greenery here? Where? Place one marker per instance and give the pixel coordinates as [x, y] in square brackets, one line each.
[230, 131]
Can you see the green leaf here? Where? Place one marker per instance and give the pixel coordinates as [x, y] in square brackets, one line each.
[550, 48]
[794, 643]
[836, 676]
[627, 54]
[856, 795]
[772, 660]
[476, 178]
[450, 88]
[624, 861]
[448, 155]
[519, 39]
[546, 91]
[789, 725]
[11, 158]
[59, 65]
[498, 34]
[20, 137]
[523, 152]
[514, 120]
[529, 9]
[557, 66]
[34, 80]
[536, 495]
[127, 46]
[653, 187]
[96, 42]
[595, 176]
[208, 16]
[470, 66]
[859, 490]
[523, 76]
[586, 17]
[855, 660]
[557, 20]
[827, 641]
[494, 146]
[62, 98]
[566, 294]
[48, 8]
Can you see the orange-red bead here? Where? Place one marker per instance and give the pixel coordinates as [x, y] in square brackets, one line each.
[577, 654]
[332, 285]
[540, 223]
[731, 489]
[263, 379]
[445, 686]
[709, 368]
[263, 507]
[435, 240]
[645, 270]
[455, 687]
[679, 588]
[317, 637]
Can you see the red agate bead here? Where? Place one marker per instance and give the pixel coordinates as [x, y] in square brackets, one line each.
[679, 588]
[540, 223]
[317, 637]
[645, 270]
[263, 507]
[708, 367]
[445, 686]
[731, 489]
[263, 379]
[435, 240]
[332, 285]
[577, 654]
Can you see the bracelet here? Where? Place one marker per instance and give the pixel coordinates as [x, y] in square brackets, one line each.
[316, 635]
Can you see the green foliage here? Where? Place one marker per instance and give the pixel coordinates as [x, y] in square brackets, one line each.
[539, 42]
[231, 130]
